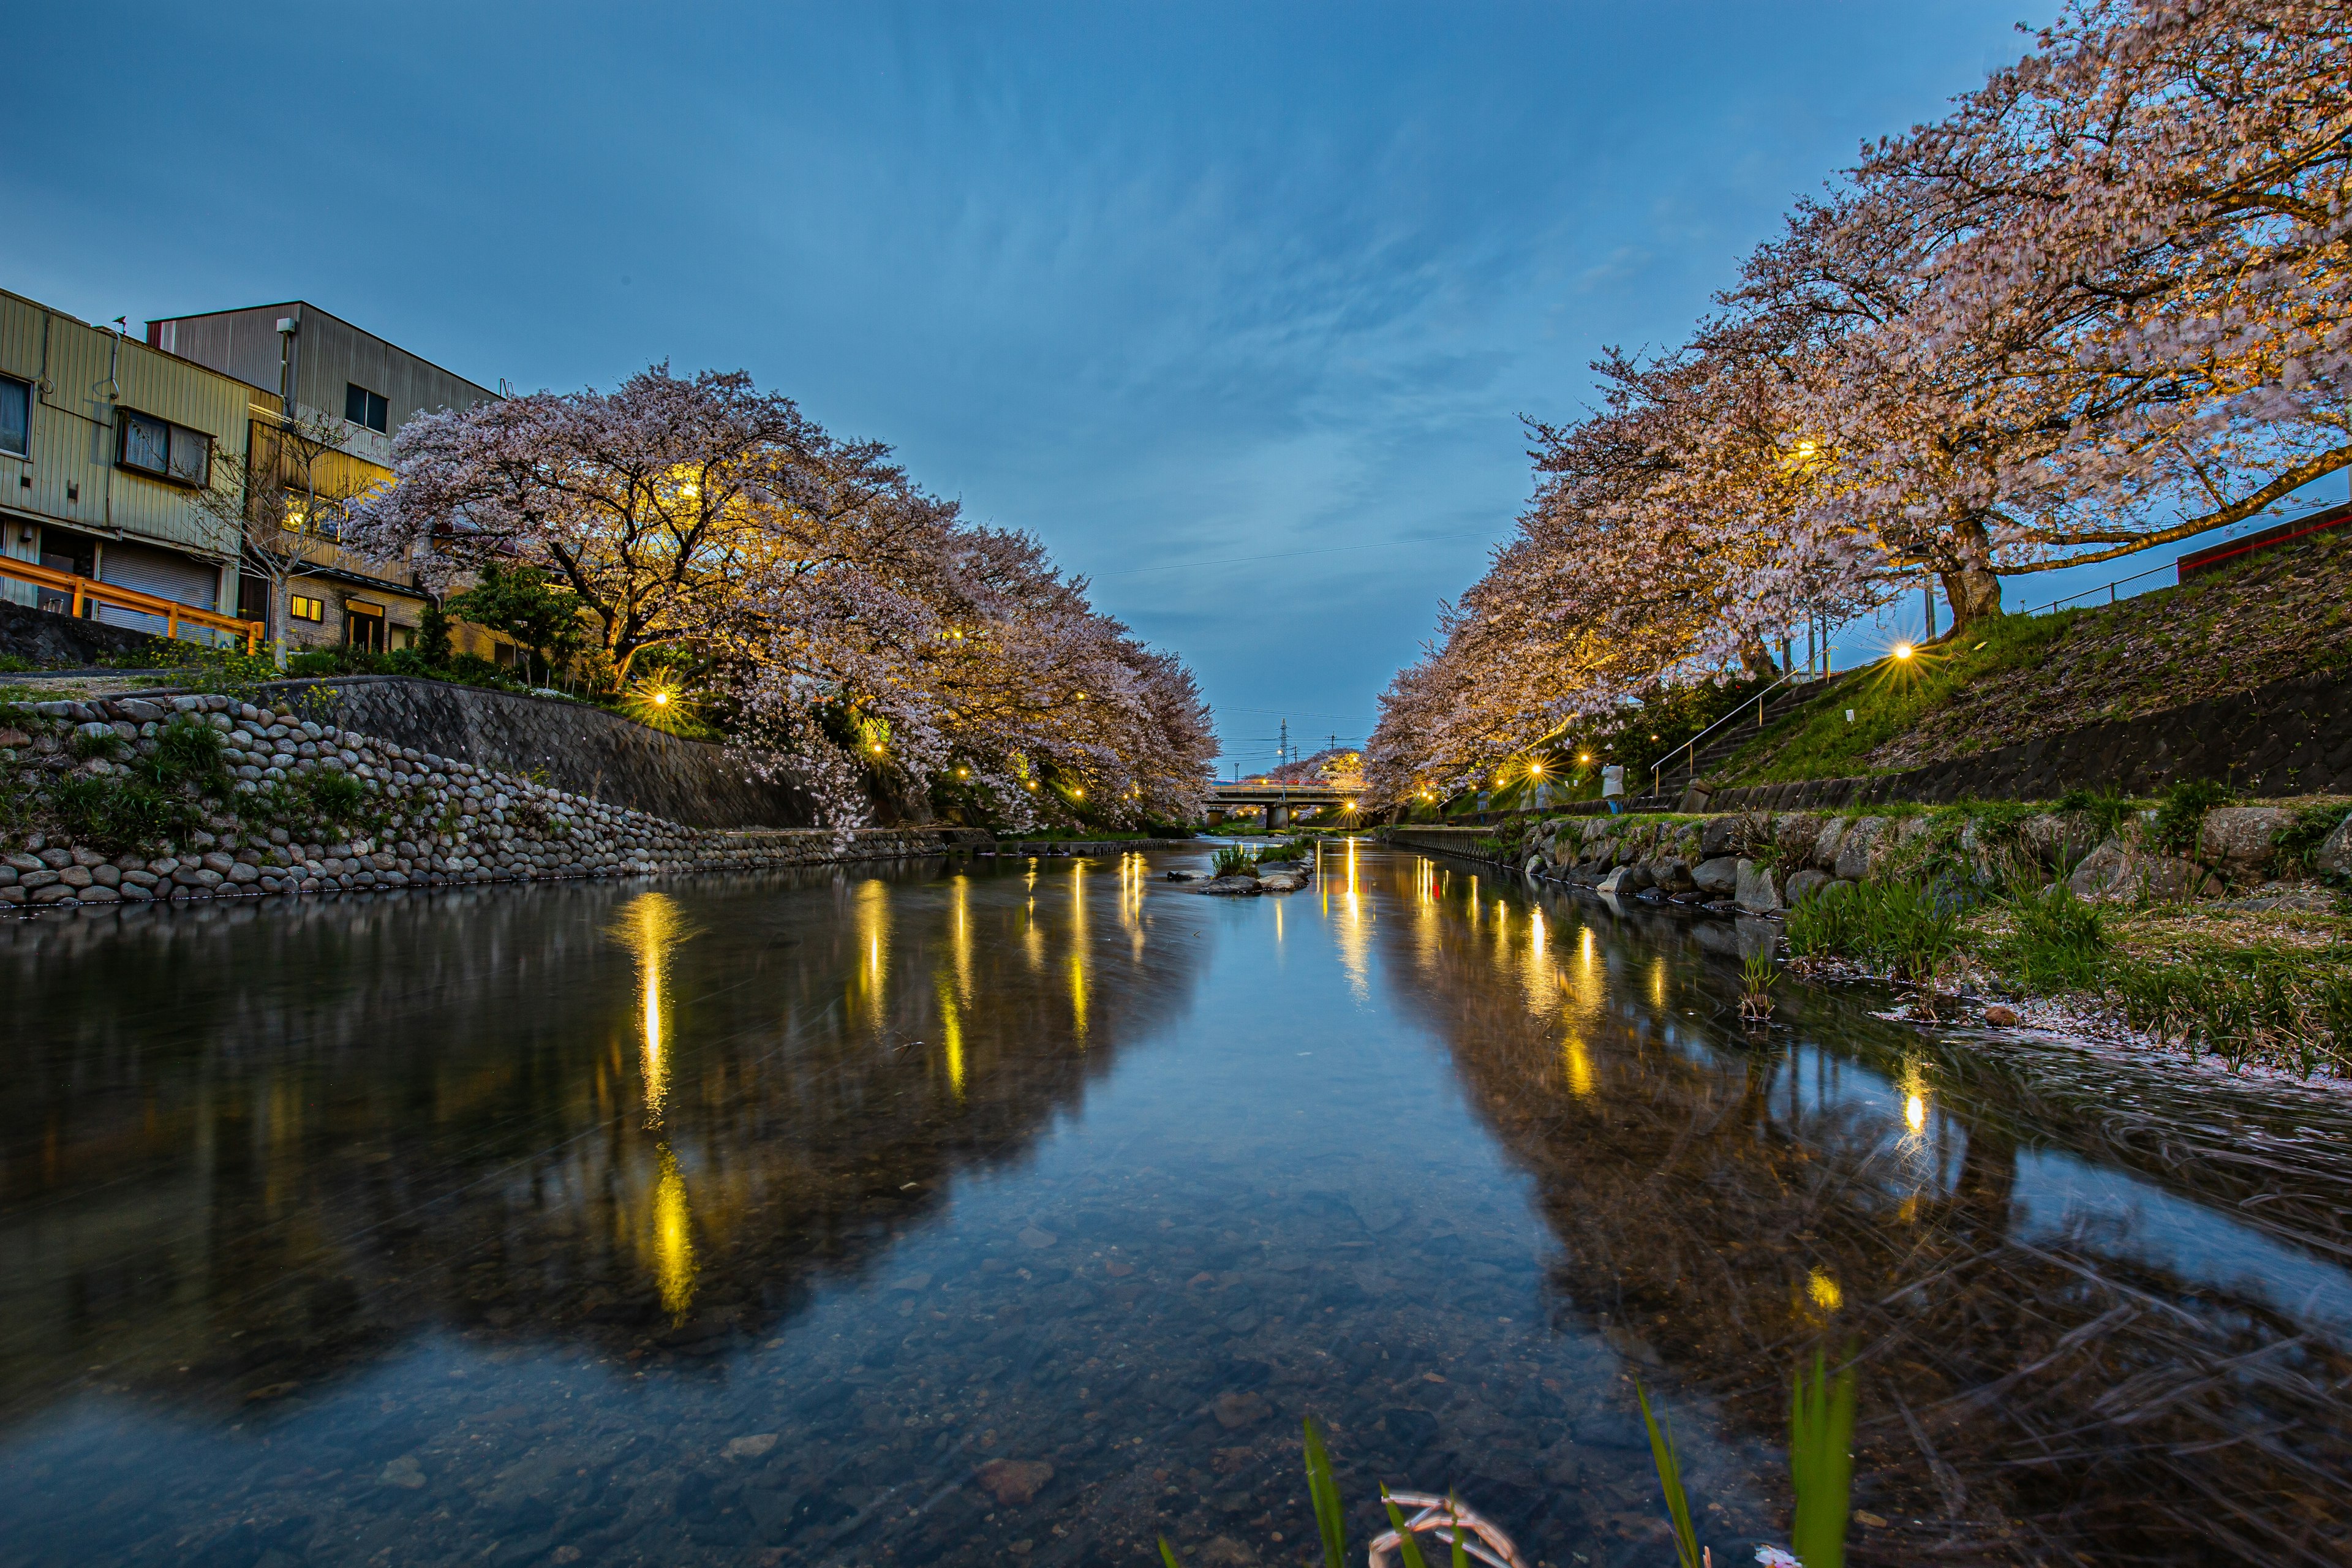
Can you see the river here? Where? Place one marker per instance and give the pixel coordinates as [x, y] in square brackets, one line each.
[1017, 1212]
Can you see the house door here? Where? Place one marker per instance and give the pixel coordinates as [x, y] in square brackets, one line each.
[363, 628]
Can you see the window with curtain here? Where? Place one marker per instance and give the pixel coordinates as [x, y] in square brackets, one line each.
[167, 451]
[16, 417]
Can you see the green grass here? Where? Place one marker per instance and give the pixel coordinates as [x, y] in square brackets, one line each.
[2056, 942]
[2280, 1007]
[2180, 815]
[1888, 698]
[160, 800]
[1234, 861]
[1821, 1462]
[1911, 931]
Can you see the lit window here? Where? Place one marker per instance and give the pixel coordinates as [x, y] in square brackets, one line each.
[16, 417]
[361, 406]
[167, 451]
[303, 610]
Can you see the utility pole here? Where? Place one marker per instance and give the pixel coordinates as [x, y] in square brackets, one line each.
[1282, 748]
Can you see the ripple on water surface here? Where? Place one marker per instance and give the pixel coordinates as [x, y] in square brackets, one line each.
[1019, 1211]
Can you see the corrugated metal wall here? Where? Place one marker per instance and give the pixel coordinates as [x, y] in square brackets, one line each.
[75, 480]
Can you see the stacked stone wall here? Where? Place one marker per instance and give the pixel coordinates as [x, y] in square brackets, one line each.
[425, 819]
[1761, 862]
[576, 748]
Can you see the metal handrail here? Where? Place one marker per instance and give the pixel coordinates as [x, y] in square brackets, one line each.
[1691, 745]
[91, 590]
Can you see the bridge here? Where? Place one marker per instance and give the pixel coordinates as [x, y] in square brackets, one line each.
[1277, 799]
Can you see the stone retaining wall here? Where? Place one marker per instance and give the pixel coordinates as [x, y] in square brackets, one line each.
[428, 819]
[1761, 862]
[49, 639]
[581, 750]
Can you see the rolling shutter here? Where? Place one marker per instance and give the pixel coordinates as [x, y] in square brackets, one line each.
[164, 573]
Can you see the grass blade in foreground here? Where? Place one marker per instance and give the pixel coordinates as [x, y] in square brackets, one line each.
[1331, 1518]
[1670, 1477]
[1407, 1543]
[1168, 1554]
[1821, 1462]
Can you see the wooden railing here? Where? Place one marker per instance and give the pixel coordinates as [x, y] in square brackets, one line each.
[91, 591]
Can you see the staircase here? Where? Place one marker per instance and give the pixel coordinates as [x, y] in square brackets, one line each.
[1678, 772]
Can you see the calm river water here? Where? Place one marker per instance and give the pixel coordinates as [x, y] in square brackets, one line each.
[1016, 1213]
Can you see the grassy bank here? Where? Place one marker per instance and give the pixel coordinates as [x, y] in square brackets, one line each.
[2251, 981]
[2276, 616]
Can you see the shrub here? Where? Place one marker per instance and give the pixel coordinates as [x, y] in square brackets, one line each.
[1235, 861]
[2107, 812]
[2182, 813]
[324, 799]
[2299, 845]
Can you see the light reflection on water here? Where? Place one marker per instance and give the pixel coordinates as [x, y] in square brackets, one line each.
[750, 1219]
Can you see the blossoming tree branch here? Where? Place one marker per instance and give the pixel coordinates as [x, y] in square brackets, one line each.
[2102, 305]
[836, 616]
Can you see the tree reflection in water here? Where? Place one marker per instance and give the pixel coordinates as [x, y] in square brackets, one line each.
[264, 1142]
[691, 1223]
[1727, 1205]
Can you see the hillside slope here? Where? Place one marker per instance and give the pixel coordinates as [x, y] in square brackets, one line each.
[2279, 615]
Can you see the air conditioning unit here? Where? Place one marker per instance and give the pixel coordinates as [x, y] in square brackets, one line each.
[287, 325]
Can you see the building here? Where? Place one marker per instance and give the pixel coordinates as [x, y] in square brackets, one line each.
[296, 360]
[107, 449]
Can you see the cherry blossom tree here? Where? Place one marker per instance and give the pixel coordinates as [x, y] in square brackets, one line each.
[2102, 305]
[837, 618]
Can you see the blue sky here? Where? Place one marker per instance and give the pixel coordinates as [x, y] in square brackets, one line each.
[1170, 286]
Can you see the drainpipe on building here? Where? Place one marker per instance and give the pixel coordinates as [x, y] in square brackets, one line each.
[113, 420]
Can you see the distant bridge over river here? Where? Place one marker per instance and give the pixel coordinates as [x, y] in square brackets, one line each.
[1277, 800]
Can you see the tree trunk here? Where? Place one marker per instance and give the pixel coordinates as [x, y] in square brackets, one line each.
[1756, 661]
[1971, 586]
[280, 592]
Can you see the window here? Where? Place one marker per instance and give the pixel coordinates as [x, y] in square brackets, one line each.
[167, 451]
[16, 417]
[361, 406]
[303, 610]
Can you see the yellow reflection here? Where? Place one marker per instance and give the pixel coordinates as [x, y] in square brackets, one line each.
[951, 1033]
[874, 936]
[1579, 1063]
[1914, 1098]
[962, 944]
[1658, 982]
[650, 925]
[1078, 949]
[674, 1268]
[1824, 1291]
